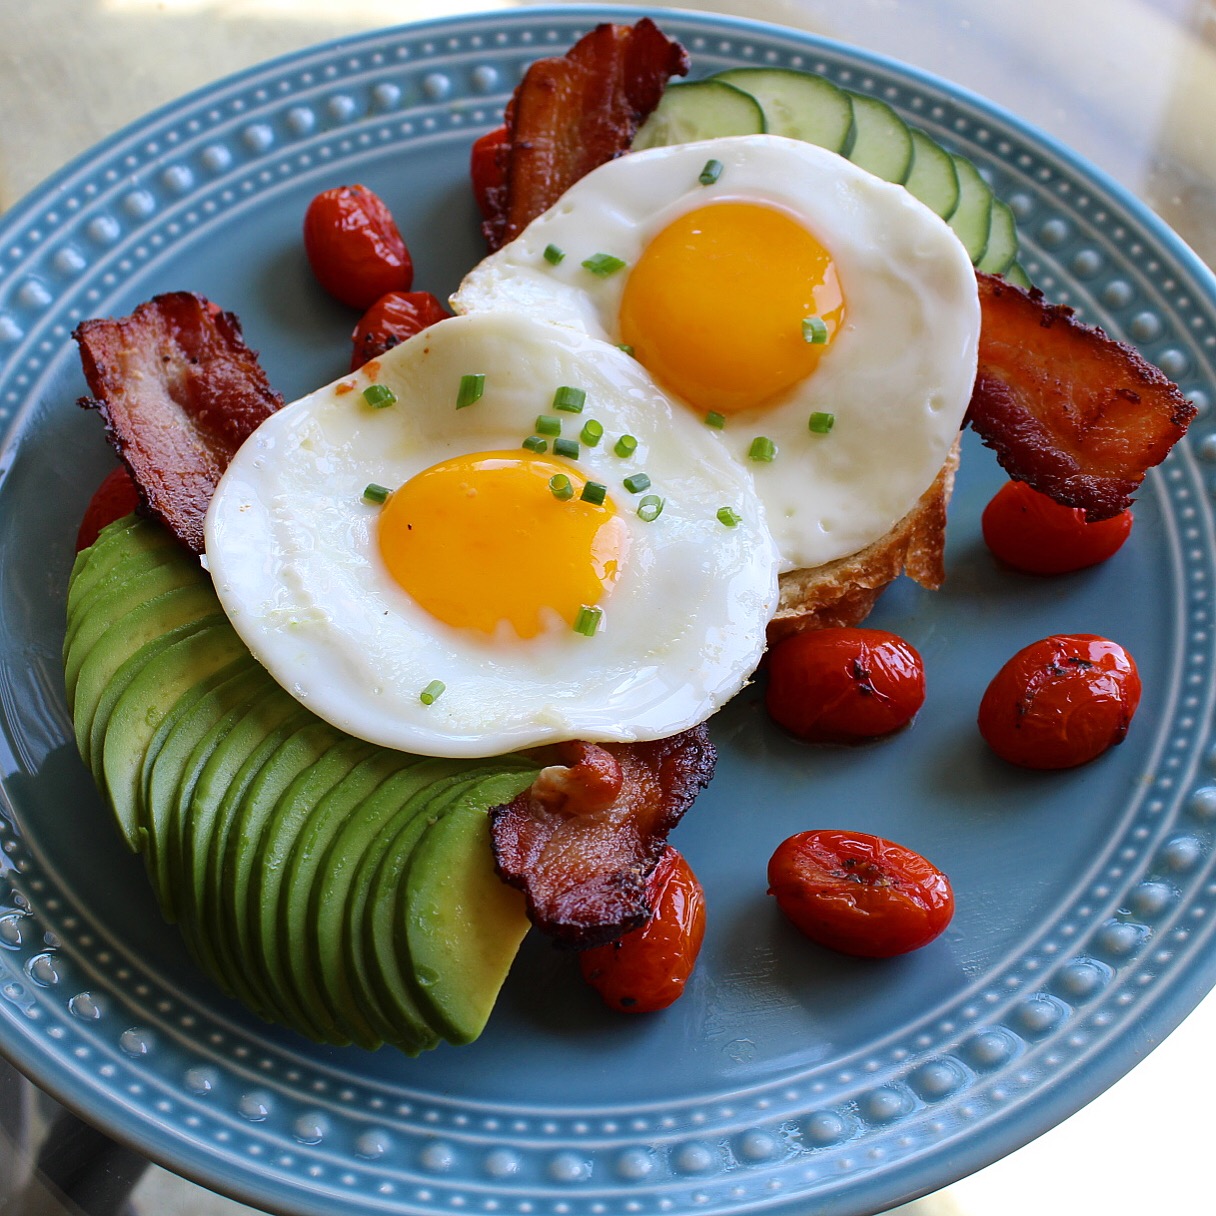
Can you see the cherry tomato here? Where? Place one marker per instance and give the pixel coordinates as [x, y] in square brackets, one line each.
[1035, 534]
[115, 497]
[1060, 702]
[858, 893]
[392, 319]
[487, 169]
[354, 247]
[844, 685]
[647, 969]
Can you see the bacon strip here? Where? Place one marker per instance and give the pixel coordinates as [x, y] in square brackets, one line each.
[179, 392]
[573, 113]
[582, 841]
[1072, 412]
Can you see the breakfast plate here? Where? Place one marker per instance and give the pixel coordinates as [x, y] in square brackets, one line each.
[786, 1080]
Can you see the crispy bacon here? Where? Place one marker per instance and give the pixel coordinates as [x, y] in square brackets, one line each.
[179, 392]
[1072, 412]
[582, 840]
[572, 113]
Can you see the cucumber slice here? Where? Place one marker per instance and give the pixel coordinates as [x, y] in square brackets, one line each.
[1002, 249]
[701, 109]
[882, 143]
[1017, 275]
[798, 105]
[973, 215]
[933, 178]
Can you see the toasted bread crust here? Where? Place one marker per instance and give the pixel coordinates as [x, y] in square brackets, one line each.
[842, 592]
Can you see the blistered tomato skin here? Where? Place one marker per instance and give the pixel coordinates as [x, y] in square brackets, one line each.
[647, 969]
[114, 498]
[486, 168]
[860, 894]
[1033, 533]
[354, 248]
[390, 320]
[1060, 702]
[844, 685]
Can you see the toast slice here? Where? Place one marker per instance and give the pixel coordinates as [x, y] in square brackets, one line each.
[842, 592]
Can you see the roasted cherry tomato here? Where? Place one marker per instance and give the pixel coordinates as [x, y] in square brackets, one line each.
[392, 319]
[354, 247]
[115, 497]
[1035, 534]
[1060, 702]
[486, 168]
[858, 893]
[844, 685]
[647, 968]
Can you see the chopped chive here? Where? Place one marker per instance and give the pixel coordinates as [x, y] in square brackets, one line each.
[592, 432]
[729, 517]
[603, 264]
[566, 447]
[553, 254]
[762, 449]
[471, 388]
[821, 423]
[814, 331]
[636, 483]
[625, 347]
[588, 620]
[650, 508]
[571, 400]
[534, 443]
[594, 492]
[625, 446]
[546, 424]
[375, 494]
[432, 692]
[711, 172]
[716, 420]
[379, 396]
[560, 487]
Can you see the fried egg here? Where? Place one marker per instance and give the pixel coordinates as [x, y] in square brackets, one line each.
[820, 323]
[500, 595]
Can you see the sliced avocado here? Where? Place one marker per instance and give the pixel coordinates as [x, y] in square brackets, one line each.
[173, 673]
[338, 896]
[116, 541]
[797, 105]
[278, 836]
[933, 178]
[462, 923]
[218, 758]
[146, 585]
[212, 915]
[304, 872]
[116, 656]
[223, 696]
[242, 855]
[389, 1001]
[882, 143]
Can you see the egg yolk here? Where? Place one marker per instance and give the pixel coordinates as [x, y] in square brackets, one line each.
[482, 539]
[715, 306]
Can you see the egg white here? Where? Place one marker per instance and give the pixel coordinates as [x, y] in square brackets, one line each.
[291, 546]
[897, 377]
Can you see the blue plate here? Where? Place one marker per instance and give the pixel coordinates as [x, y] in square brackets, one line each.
[786, 1080]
